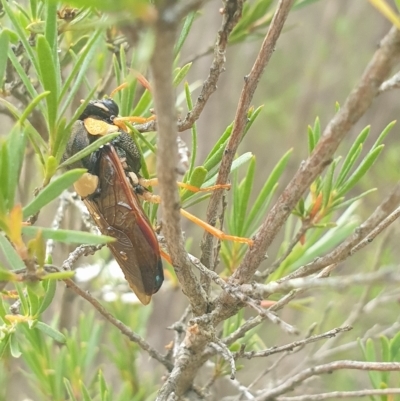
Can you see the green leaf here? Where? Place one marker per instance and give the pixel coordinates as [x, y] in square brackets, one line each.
[16, 150]
[51, 36]
[69, 389]
[4, 39]
[14, 346]
[214, 157]
[361, 170]
[61, 275]
[327, 187]
[383, 134]
[184, 32]
[182, 72]
[34, 291]
[22, 35]
[22, 74]
[4, 176]
[79, 70]
[85, 392]
[52, 191]
[339, 202]
[386, 357]
[10, 254]
[50, 287]
[49, 81]
[4, 343]
[240, 161]
[260, 203]
[244, 195]
[394, 348]
[49, 331]
[31, 106]
[317, 131]
[189, 103]
[67, 236]
[311, 143]
[353, 154]
[89, 149]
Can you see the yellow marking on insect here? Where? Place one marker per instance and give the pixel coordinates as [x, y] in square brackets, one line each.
[86, 185]
[98, 127]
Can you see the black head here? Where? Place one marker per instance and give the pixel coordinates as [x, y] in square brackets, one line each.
[104, 109]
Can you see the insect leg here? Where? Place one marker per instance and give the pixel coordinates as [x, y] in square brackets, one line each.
[148, 196]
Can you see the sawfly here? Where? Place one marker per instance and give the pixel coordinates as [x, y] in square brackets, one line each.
[110, 190]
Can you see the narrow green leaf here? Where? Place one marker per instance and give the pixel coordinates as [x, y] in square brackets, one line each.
[74, 80]
[16, 150]
[267, 188]
[340, 203]
[69, 389]
[361, 170]
[4, 344]
[76, 115]
[85, 392]
[383, 134]
[103, 385]
[394, 347]
[317, 131]
[4, 39]
[311, 143]
[244, 196]
[189, 103]
[50, 287]
[214, 157]
[52, 191]
[32, 295]
[240, 161]
[11, 254]
[14, 346]
[62, 275]
[31, 106]
[5, 176]
[49, 81]
[89, 149]
[22, 74]
[198, 176]
[184, 32]
[143, 105]
[21, 34]
[49, 331]
[67, 236]
[327, 185]
[182, 72]
[385, 349]
[37, 141]
[352, 155]
[51, 35]
[348, 166]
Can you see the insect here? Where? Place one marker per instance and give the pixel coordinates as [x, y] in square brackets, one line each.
[110, 191]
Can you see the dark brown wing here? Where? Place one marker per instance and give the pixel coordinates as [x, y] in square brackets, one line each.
[119, 214]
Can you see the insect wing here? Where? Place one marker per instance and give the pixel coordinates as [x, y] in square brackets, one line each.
[119, 214]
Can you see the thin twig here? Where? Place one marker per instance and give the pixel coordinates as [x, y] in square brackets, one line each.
[381, 226]
[293, 345]
[327, 368]
[341, 282]
[222, 349]
[391, 83]
[340, 394]
[118, 324]
[246, 96]
[342, 251]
